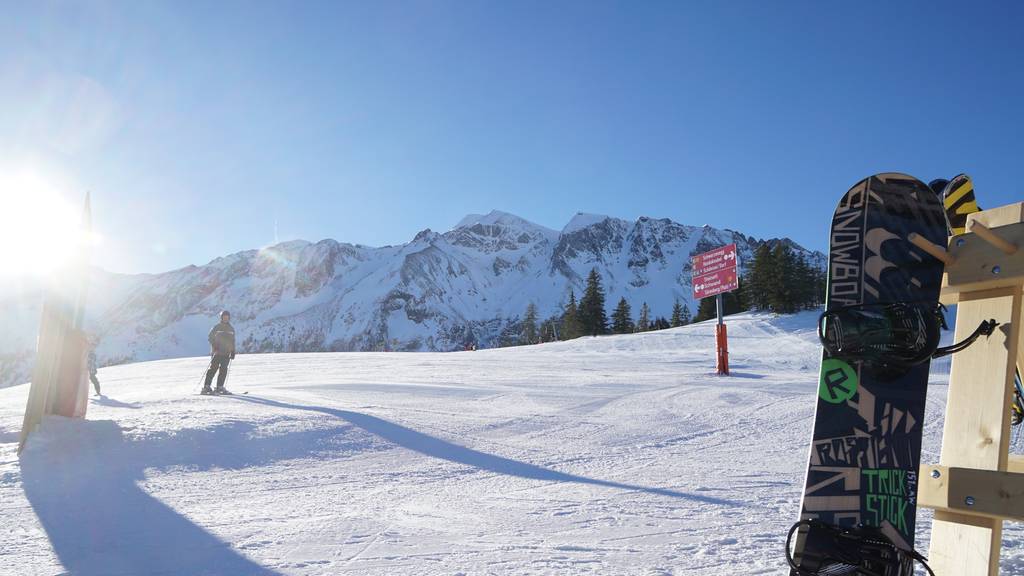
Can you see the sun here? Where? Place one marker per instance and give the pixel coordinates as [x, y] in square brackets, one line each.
[40, 230]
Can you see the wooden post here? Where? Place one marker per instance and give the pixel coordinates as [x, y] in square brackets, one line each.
[977, 430]
[992, 238]
[977, 485]
[937, 251]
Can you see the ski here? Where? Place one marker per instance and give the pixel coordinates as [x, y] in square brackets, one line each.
[879, 331]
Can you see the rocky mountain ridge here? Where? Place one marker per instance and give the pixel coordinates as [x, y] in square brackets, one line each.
[437, 292]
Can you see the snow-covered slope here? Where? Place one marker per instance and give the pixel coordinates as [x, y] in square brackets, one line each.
[438, 292]
[610, 455]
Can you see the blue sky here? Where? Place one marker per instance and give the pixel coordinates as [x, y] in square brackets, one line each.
[199, 126]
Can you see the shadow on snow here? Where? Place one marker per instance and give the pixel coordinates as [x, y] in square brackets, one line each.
[104, 400]
[82, 480]
[82, 483]
[437, 448]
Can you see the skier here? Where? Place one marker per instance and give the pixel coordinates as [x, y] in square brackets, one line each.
[222, 351]
[91, 364]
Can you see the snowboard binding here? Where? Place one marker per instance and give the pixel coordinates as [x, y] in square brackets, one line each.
[890, 338]
[859, 551]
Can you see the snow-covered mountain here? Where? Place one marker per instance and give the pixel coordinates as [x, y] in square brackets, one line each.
[434, 293]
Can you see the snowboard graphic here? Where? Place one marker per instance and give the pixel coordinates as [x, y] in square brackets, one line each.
[866, 444]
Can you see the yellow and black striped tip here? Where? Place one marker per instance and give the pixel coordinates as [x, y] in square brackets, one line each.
[958, 200]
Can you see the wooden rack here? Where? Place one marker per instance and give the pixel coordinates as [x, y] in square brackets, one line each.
[977, 484]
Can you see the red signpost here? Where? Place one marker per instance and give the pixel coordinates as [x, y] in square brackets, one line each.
[713, 273]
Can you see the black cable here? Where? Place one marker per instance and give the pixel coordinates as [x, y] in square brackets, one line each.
[984, 329]
[859, 538]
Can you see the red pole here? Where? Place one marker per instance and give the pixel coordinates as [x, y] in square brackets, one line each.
[722, 341]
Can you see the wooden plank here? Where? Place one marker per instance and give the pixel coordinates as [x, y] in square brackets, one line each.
[977, 427]
[51, 333]
[966, 548]
[1001, 216]
[965, 519]
[986, 234]
[980, 265]
[950, 296]
[988, 493]
[1015, 463]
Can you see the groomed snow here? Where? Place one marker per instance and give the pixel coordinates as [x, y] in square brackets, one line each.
[612, 455]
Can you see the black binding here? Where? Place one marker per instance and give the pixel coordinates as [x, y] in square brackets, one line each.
[860, 551]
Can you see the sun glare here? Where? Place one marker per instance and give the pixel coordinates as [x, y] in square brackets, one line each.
[40, 230]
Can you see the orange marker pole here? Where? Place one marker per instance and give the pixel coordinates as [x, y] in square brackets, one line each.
[721, 340]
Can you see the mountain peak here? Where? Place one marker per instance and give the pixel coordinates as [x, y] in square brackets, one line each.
[425, 235]
[583, 220]
[499, 218]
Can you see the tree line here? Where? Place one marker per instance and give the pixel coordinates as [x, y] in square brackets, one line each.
[588, 317]
[777, 280]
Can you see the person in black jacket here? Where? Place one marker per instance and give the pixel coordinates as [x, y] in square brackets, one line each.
[222, 351]
[91, 364]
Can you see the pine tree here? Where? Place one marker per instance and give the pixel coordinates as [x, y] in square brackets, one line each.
[782, 294]
[571, 327]
[660, 323]
[528, 334]
[544, 331]
[780, 280]
[643, 323]
[593, 319]
[820, 286]
[811, 283]
[758, 278]
[686, 315]
[706, 310]
[677, 314]
[622, 320]
[741, 300]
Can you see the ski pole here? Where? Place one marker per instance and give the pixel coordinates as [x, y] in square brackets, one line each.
[202, 377]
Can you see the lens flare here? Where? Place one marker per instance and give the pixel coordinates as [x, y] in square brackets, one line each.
[40, 230]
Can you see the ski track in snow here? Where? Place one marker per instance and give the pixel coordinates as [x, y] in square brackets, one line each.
[611, 455]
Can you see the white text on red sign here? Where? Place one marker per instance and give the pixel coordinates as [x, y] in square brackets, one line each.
[713, 261]
[715, 283]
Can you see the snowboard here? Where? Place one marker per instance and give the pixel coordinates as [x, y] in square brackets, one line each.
[958, 201]
[866, 443]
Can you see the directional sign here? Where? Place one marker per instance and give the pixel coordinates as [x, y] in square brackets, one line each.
[714, 272]
[714, 260]
[715, 283]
